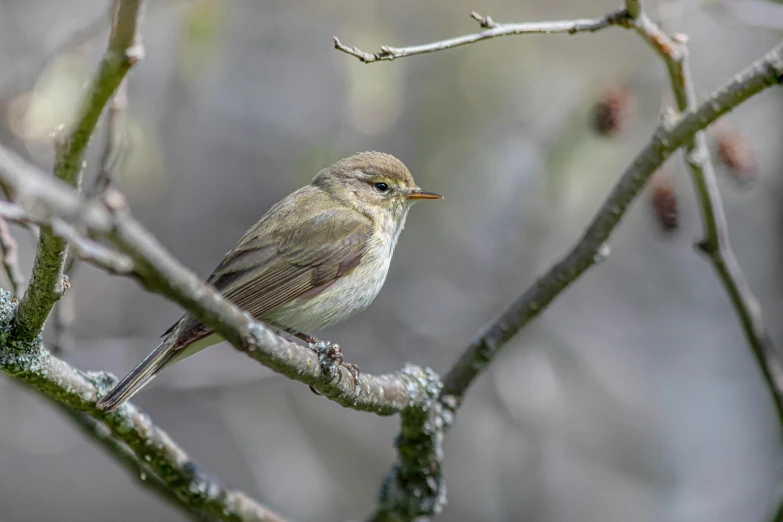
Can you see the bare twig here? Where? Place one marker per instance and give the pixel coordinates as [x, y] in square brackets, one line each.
[493, 30]
[89, 250]
[116, 145]
[10, 259]
[124, 50]
[111, 159]
[588, 251]
[96, 253]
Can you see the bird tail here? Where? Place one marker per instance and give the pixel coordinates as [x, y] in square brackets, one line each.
[139, 377]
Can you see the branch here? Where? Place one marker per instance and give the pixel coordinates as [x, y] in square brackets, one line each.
[123, 51]
[715, 244]
[493, 30]
[47, 200]
[31, 363]
[410, 390]
[10, 259]
[591, 248]
[89, 250]
[116, 140]
[413, 488]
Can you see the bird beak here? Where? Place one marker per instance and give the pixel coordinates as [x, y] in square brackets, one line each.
[420, 194]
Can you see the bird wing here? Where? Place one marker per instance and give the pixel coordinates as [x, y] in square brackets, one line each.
[277, 262]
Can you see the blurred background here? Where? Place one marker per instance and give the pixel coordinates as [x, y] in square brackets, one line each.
[634, 397]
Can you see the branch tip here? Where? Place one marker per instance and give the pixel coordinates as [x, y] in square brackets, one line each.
[135, 54]
[484, 21]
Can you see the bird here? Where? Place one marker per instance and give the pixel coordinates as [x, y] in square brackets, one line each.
[316, 258]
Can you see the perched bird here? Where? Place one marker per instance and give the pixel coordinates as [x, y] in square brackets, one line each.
[316, 258]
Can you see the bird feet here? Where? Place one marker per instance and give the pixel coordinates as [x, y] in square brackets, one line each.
[330, 357]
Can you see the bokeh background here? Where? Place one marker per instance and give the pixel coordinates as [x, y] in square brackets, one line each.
[634, 397]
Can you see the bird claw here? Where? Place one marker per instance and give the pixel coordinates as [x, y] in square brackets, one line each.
[330, 358]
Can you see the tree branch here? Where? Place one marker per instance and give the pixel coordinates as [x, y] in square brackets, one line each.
[123, 51]
[77, 390]
[410, 390]
[401, 490]
[157, 270]
[92, 251]
[672, 134]
[493, 30]
[414, 488]
[116, 140]
[715, 244]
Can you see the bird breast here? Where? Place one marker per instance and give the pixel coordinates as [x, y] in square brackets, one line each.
[350, 294]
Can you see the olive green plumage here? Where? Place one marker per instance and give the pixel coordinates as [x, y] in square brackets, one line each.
[317, 257]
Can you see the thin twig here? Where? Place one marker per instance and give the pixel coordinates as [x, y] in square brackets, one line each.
[493, 30]
[715, 244]
[115, 148]
[87, 249]
[10, 259]
[123, 51]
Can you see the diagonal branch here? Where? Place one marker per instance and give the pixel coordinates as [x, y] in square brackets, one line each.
[47, 200]
[493, 30]
[92, 251]
[591, 248]
[46, 282]
[412, 488]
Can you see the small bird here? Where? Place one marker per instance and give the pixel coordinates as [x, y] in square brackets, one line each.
[316, 258]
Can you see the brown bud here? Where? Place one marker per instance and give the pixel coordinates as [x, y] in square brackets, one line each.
[611, 110]
[737, 154]
[664, 201]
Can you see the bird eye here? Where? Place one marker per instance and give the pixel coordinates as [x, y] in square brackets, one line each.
[381, 187]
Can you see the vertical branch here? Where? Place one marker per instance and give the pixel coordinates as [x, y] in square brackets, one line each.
[10, 259]
[47, 283]
[112, 156]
